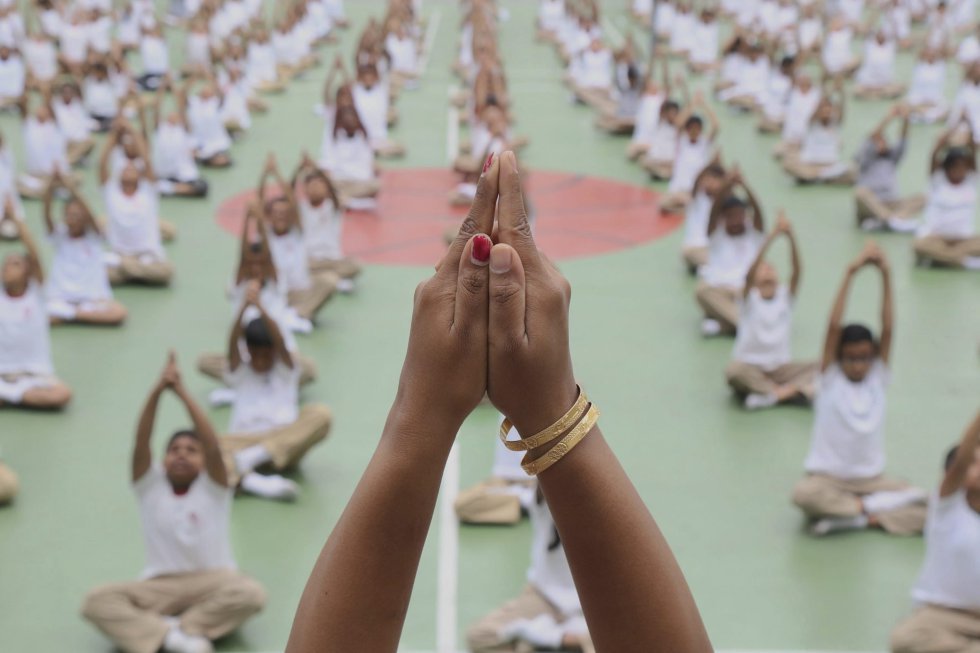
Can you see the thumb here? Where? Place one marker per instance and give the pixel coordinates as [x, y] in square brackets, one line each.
[507, 299]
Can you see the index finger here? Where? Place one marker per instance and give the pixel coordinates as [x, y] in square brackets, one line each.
[480, 218]
[513, 226]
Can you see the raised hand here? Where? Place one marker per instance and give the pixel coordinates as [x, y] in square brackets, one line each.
[253, 292]
[170, 377]
[530, 369]
[783, 225]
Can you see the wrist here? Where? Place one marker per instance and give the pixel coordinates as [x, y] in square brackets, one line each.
[545, 408]
[420, 423]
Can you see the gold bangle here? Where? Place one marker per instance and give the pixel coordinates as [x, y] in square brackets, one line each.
[554, 431]
[567, 443]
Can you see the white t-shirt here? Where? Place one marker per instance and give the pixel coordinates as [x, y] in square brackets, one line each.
[690, 161]
[134, 226]
[153, 53]
[595, 69]
[72, 119]
[765, 329]
[41, 58]
[837, 50]
[263, 401]
[73, 40]
[849, 424]
[78, 272]
[276, 305]
[184, 533]
[323, 228]
[822, 145]
[46, 147]
[289, 257]
[100, 97]
[403, 53]
[950, 209]
[799, 112]
[706, 36]
[173, 153]
[647, 118]
[730, 257]
[25, 343]
[878, 68]
[928, 84]
[950, 575]
[372, 107]
[696, 220]
[207, 128]
[549, 572]
[348, 158]
[12, 75]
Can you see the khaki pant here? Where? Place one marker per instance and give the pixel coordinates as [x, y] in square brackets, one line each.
[132, 270]
[746, 379]
[608, 121]
[694, 257]
[78, 150]
[819, 173]
[769, 126]
[168, 230]
[345, 268]
[819, 495]
[215, 366]
[719, 303]
[484, 635]
[675, 202]
[488, 502]
[208, 604]
[357, 189]
[286, 445]
[869, 206]
[8, 484]
[307, 303]
[934, 629]
[885, 92]
[659, 169]
[947, 252]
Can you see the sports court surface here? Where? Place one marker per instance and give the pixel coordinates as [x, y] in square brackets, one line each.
[717, 478]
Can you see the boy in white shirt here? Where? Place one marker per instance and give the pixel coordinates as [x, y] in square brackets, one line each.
[762, 372]
[26, 373]
[268, 428]
[947, 594]
[845, 487]
[548, 613]
[733, 244]
[190, 591]
[694, 151]
[13, 75]
[694, 248]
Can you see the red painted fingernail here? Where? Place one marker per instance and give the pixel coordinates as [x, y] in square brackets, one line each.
[481, 248]
[486, 166]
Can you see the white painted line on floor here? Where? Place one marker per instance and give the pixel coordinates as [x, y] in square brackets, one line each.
[452, 128]
[430, 39]
[448, 571]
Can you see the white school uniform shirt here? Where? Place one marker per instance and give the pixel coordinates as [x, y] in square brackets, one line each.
[696, 218]
[100, 35]
[682, 32]
[128, 31]
[207, 127]
[348, 158]
[837, 50]
[821, 145]
[173, 153]
[765, 328]
[403, 52]
[197, 50]
[45, 146]
[551, 12]
[928, 84]
[950, 209]
[731, 67]
[663, 144]
[664, 17]
[967, 102]
[776, 95]
[12, 30]
[549, 572]
[595, 69]
[950, 575]
[41, 58]
[234, 105]
[730, 257]
[372, 107]
[100, 97]
[690, 161]
[848, 440]
[12, 76]
[78, 271]
[753, 79]
[72, 118]
[8, 185]
[706, 38]
[25, 343]
[134, 222]
[647, 118]
[263, 401]
[878, 67]
[153, 53]
[73, 41]
[851, 9]
[969, 50]
[51, 22]
[323, 228]
[810, 32]
[184, 533]
[261, 64]
[289, 256]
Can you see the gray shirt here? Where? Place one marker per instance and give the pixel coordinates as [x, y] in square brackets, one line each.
[877, 172]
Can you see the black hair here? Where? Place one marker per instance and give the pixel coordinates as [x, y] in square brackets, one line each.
[715, 170]
[257, 334]
[693, 120]
[733, 202]
[787, 61]
[670, 104]
[854, 333]
[951, 457]
[183, 433]
[956, 155]
[491, 100]
[632, 75]
[256, 247]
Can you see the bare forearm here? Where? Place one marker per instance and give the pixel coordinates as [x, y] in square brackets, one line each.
[637, 600]
[142, 457]
[358, 593]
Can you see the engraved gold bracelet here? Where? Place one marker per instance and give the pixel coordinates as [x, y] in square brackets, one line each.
[554, 431]
[567, 443]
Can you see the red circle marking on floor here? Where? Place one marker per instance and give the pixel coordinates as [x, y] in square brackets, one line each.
[577, 216]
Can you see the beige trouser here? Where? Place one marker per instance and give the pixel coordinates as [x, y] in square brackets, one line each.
[484, 635]
[215, 366]
[816, 173]
[869, 206]
[345, 268]
[286, 445]
[695, 257]
[307, 303]
[746, 378]
[719, 303]
[487, 502]
[467, 164]
[208, 603]
[133, 270]
[675, 202]
[8, 484]
[608, 121]
[885, 92]
[659, 169]
[819, 495]
[357, 189]
[78, 150]
[168, 230]
[769, 126]
[946, 252]
[390, 150]
[934, 629]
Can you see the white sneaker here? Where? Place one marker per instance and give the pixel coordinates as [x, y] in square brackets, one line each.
[756, 401]
[710, 327]
[300, 325]
[887, 501]
[272, 486]
[222, 397]
[177, 641]
[872, 224]
[829, 525]
[345, 286]
[543, 631]
[903, 226]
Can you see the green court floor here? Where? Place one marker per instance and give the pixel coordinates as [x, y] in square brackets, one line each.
[717, 479]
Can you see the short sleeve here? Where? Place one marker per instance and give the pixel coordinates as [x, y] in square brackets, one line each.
[234, 378]
[150, 480]
[882, 373]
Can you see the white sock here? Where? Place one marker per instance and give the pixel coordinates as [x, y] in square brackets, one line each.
[756, 401]
[177, 641]
[222, 397]
[542, 631]
[255, 456]
[829, 525]
[902, 225]
[272, 486]
[300, 325]
[972, 262]
[879, 502]
[710, 327]
[12, 392]
[345, 286]
[871, 224]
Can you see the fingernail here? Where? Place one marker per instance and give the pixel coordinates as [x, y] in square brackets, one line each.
[486, 166]
[500, 260]
[481, 249]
